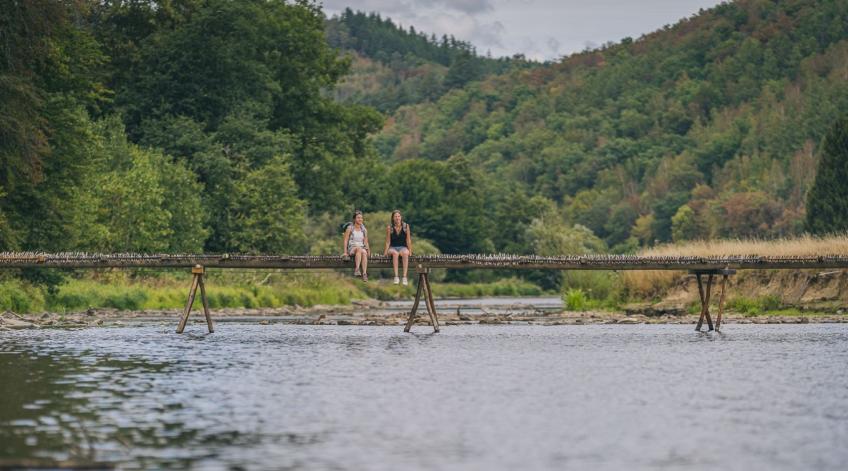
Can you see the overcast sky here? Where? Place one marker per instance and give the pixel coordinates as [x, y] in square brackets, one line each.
[539, 29]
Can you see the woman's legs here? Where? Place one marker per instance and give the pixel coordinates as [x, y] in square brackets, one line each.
[405, 253]
[357, 259]
[364, 262]
[394, 254]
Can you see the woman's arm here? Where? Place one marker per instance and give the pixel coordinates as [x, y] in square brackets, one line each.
[344, 243]
[388, 238]
[409, 239]
[367, 245]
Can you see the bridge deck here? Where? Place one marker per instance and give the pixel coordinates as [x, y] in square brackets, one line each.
[477, 261]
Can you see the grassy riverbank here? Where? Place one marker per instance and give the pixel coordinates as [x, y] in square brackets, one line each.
[254, 289]
[751, 292]
[652, 283]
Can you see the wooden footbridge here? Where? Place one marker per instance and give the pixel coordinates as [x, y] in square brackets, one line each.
[702, 267]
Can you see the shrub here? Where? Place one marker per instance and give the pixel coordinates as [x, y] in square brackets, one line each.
[575, 300]
[754, 306]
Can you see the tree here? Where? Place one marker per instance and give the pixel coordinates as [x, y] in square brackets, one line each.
[444, 203]
[268, 215]
[135, 199]
[552, 237]
[684, 225]
[827, 202]
[749, 214]
[134, 206]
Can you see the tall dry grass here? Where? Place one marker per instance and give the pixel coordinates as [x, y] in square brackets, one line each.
[655, 282]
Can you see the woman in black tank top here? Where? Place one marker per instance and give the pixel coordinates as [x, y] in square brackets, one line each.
[398, 244]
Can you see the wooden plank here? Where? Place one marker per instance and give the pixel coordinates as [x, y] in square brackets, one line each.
[431, 307]
[701, 297]
[205, 301]
[707, 302]
[10, 260]
[411, 319]
[191, 293]
[721, 301]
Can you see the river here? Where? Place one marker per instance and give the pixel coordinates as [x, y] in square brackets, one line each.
[471, 397]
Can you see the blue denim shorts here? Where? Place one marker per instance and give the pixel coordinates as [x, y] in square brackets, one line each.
[399, 249]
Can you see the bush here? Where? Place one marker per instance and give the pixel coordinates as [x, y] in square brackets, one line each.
[754, 306]
[20, 297]
[575, 300]
[596, 285]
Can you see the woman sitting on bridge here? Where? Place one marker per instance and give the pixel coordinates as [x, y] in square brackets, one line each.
[398, 243]
[356, 244]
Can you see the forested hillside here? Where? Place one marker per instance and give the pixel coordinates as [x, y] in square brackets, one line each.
[221, 125]
[708, 128]
[180, 125]
[393, 66]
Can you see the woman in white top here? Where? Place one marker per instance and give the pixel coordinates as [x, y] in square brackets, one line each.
[356, 244]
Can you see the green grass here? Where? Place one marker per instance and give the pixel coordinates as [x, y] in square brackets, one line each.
[228, 289]
[21, 297]
[754, 306]
[384, 290]
[769, 305]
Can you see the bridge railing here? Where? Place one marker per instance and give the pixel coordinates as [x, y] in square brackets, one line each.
[467, 261]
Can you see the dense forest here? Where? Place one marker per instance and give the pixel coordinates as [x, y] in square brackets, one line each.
[708, 128]
[393, 66]
[255, 126]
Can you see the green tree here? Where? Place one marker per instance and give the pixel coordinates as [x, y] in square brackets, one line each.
[684, 225]
[136, 199]
[554, 238]
[444, 202]
[133, 205]
[827, 202]
[268, 215]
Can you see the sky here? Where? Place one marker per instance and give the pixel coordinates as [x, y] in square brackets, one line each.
[539, 29]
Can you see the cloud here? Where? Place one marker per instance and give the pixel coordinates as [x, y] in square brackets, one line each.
[553, 44]
[465, 6]
[539, 29]
[412, 7]
[488, 35]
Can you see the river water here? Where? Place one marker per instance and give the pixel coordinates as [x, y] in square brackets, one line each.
[471, 397]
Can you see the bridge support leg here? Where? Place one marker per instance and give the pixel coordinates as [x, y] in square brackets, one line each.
[196, 281]
[705, 301]
[425, 290]
[704, 294]
[721, 300]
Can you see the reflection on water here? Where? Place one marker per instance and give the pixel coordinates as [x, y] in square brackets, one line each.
[471, 397]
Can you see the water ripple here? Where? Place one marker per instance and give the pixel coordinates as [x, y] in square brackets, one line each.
[471, 397]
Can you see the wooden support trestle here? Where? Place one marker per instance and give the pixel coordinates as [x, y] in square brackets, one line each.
[197, 280]
[704, 294]
[423, 288]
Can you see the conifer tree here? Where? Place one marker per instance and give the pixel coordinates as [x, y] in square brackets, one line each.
[827, 202]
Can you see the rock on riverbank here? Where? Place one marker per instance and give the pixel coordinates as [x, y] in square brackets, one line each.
[374, 313]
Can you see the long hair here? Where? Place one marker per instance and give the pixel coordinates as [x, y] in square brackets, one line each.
[353, 218]
[392, 219]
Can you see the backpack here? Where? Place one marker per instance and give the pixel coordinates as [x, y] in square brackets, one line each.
[343, 227]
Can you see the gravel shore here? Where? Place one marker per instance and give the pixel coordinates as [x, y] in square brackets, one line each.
[376, 313]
